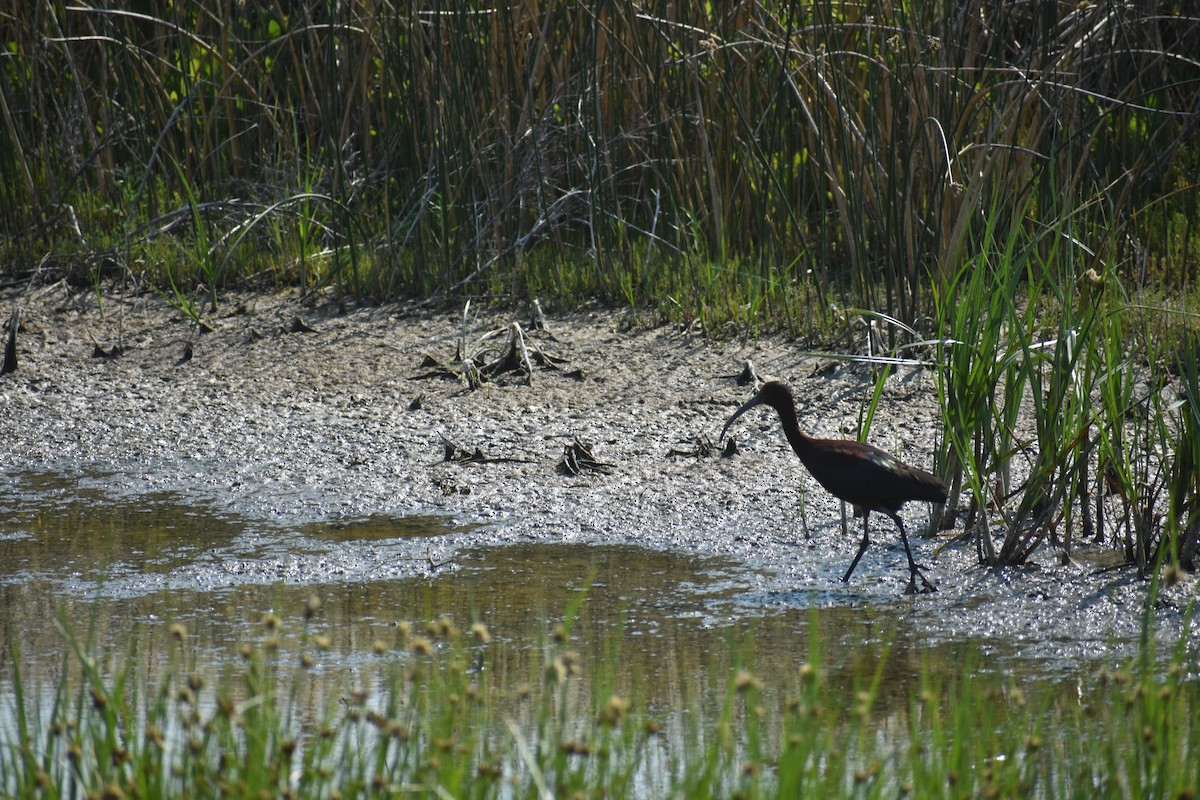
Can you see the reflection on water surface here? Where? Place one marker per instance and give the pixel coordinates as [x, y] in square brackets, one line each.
[669, 623]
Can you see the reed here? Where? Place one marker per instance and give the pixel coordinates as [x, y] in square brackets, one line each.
[722, 158]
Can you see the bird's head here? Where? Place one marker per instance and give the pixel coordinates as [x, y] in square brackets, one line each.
[774, 394]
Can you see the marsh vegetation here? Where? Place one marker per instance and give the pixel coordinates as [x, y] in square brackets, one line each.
[461, 710]
[1004, 194]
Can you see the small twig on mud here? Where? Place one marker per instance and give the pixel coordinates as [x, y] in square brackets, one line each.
[516, 357]
[520, 355]
[703, 448]
[538, 320]
[433, 565]
[99, 352]
[460, 455]
[748, 376]
[115, 351]
[577, 459]
[10, 349]
[300, 326]
[518, 343]
[436, 369]
[731, 448]
[544, 359]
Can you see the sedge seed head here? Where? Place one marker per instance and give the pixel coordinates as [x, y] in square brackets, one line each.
[744, 681]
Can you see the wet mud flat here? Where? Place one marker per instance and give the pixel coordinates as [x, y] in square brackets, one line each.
[349, 448]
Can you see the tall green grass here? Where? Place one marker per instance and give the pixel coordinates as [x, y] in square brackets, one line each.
[441, 711]
[1060, 407]
[641, 152]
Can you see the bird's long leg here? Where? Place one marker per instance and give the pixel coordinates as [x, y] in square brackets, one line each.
[914, 571]
[862, 547]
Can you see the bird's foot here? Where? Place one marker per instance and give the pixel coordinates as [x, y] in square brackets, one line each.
[927, 587]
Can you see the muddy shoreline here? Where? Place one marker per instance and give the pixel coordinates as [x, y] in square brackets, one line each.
[288, 415]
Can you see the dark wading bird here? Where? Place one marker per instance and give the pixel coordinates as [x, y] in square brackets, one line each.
[859, 473]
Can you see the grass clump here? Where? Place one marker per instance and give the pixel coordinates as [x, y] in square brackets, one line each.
[1067, 410]
[440, 711]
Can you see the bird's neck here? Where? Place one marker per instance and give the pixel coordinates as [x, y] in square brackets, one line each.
[801, 442]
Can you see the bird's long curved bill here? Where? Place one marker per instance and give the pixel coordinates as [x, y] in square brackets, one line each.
[754, 401]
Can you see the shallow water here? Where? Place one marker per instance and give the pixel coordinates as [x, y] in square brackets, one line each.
[110, 566]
